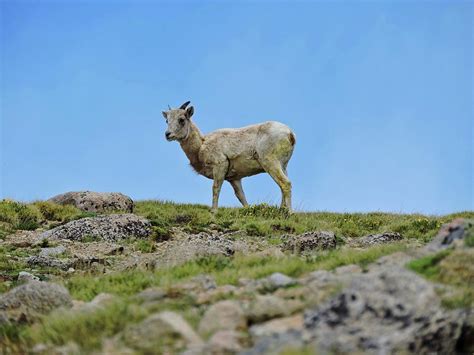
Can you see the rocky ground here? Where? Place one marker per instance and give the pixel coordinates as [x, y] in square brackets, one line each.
[115, 282]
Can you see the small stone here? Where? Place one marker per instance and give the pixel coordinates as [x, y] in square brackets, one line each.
[54, 251]
[71, 270]
[42, 261]
[24, 276]
[278, 325]
[98, 302]
[216, 294]
[223, 315]
[151, 294]
[180, 326]
[266, 307]
[273, 282]
[166, 331]
[226, 342]
[348, 269]
[278, 280]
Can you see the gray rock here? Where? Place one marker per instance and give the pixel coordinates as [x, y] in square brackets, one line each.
[387, 310]
[374, 239]
[275, 281]
[321, 278]
[24, 276]
[265, 307]
[449, 234]
[99, 302]
[166, 331]
[41, 261]
[26, 302]
[203, 282]
[223, 315]
[289, 342]
[225, 342]
[308, 241]
[90, 201]
[278, 325]
[348, 269]
[109, 228]
[151, 294]
[47, 252]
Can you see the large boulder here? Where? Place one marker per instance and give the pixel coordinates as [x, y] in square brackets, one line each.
[90, 201]
[104, 228]
[388, 310]
[28, 301]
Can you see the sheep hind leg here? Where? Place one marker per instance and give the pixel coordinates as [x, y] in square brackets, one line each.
[278, 174]
[218, 172]
[239, 191]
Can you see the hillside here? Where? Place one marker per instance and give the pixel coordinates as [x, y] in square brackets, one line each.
[158, 277]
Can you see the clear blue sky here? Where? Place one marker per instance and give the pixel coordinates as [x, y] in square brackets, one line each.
[380, 95]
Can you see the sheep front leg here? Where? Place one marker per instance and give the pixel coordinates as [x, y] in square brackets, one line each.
[219, 173]
[239, 191]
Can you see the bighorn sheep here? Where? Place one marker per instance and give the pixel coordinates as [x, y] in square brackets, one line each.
[232, 154]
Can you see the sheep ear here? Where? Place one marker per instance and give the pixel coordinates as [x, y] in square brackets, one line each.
[189, 111]
[165, 114]
[183, 106]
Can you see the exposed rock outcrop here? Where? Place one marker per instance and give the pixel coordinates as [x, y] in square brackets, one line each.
[104, 228]
[309, 241]
[387, 310]
[90, 201]
[373, 239]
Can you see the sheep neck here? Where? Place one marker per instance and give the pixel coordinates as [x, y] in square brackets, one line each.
[191, 146]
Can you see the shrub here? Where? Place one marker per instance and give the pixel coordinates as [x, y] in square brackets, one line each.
[19, 215]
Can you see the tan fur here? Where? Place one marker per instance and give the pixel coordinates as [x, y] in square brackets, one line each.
[234, 153]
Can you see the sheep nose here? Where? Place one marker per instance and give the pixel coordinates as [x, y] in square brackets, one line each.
[167, 134]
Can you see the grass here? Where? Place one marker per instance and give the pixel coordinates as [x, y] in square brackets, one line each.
[265, 221]
[87, 328]
[450, 267]
[256, 220]
[20, 216]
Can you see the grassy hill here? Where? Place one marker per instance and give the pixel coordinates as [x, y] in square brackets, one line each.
[260, 229]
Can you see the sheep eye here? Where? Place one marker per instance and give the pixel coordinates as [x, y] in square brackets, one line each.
[181, 121]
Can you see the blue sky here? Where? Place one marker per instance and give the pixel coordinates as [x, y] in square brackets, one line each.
[380, 95]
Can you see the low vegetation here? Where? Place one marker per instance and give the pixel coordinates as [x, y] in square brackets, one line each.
[453, 268]
[225, 270]
[265, 221]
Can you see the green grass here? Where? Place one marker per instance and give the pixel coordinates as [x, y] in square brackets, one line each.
[264, 220]
[256, 220]
[85, 328]
[428, 266]
[21, 216]
[451, 267]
